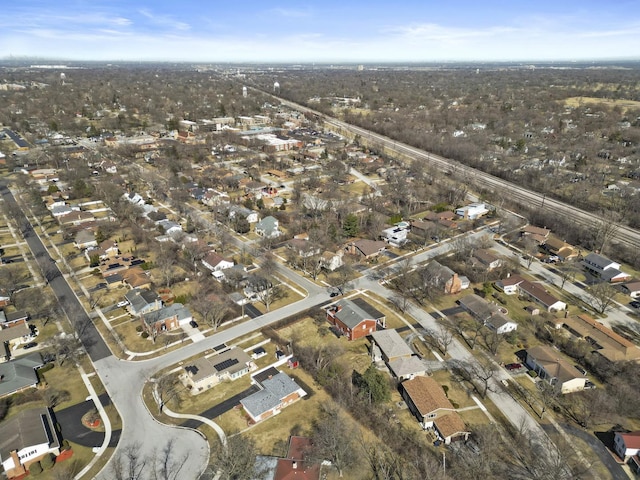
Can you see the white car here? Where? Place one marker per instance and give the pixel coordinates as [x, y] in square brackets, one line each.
[123, 303]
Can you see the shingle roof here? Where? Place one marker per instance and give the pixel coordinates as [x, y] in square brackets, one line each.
[391, 344]
[427, 395]
[274, 390]
[450, 424]
[175, 309]
[19, 373]
[350, 314]
[29, 427]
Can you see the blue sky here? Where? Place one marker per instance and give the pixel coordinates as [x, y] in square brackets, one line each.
[325, 32]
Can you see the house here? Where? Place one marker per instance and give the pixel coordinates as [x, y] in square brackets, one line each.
[601, 339]
[216, 263]
[549, 366]
[366, 248]
[472, 211]
[85, 239]
[539, 235]
[388, 346]
[443, 277]
[143, 300]
[105, 250]
[250, 216]
[429, 404]
[351, 320]
[488, 314]
[134, 198]
[487, 259]
[14, 333]
[76, 218]
[533, 291]
[136, 277]
[166, 319]
[563, 250]
[268, 227]
[627, 446]
[632, 289]
[277, 391]
[19, 374]
[303, 247]
[296, 465]
[602, 267]
[395, 236]
[206, 372]
[169, 228]
[331, 260]
[26, 438]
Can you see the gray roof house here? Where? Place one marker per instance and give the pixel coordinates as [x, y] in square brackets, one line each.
[26, 438]
[143, 300]
[166, 318]
[276, 392]
[604, 268]
[268, 227]
[19, 374]
[206, 372]
[390, 347]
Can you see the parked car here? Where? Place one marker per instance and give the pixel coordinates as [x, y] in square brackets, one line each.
[123, 303]
[589, 385]
[334, 294]
[193, 323]
[513, 366]
[29, 345]
[635, 304]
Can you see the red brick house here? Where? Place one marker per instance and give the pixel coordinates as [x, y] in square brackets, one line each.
[351, 320]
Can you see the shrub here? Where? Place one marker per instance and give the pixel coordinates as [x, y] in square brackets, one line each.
[66, 445]
[532, 373]
[144, 335]
[139, 328]
[48, 461]
[46, 367]
[446, 389]
[35, 468]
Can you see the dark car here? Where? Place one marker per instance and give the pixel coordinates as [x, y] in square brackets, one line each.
[29, 345]
[193, 323]
[334, 294]
[513, 366]
[635, 304]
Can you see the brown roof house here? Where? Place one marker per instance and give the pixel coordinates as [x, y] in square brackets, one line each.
[444, 278]
[296, 466]
[366, 248]
[561, 374]
[429, 404]
[26, 438]
[207, 372]
[515, 284]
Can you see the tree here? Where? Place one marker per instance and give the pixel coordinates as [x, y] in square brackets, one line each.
[65, 347]
[11, 278]
[168, 389]
[601, 296]
[333, 440]
[236, 460]
[373, 385]
[567, 272]
[492, 339]
[477, 374]
[350, 226]
[212, 312]
[166, 260]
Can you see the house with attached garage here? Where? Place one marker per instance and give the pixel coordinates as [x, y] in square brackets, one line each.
[207, 372]
[515, 284]
[26, 438]
[366, 248]
[250, 216]
[216, 262]
[143, 300]
[268, 227]
[276, 391]
[19, 374]
[489, 314]
[554, 369]
[429, 404]
[632, 289]
[472, 211]
[166, 319]
[389, 347]
[627, 446]
[352, 320]
[602, 267]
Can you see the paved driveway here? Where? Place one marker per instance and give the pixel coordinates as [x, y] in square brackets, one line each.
[73, 430]
[222, 407]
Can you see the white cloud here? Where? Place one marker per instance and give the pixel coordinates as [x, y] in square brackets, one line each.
[291, 13]
[164, 20]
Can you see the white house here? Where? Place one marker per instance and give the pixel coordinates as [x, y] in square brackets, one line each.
[627, 446]
[602, 267]
[216, 263]
[268, 227]
[134, 198]
[632, 289]
[472, 211]
[561, 374]
[170, 228]
[250, 216]
[396, 236]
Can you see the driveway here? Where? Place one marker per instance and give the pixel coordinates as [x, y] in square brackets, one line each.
[452, 311]
[252, 311]
[73, 430]
[222, 407]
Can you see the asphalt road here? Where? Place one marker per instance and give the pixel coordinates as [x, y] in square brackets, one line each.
[70, 420]
[91, 339]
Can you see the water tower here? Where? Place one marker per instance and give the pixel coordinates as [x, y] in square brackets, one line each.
[244, 92]
[276, 87]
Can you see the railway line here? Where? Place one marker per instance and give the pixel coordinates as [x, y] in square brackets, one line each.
[621, 234]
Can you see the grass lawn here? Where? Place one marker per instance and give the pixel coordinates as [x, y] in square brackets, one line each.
[457, 394]
[67, 377]
[68, 468]
[392, 318]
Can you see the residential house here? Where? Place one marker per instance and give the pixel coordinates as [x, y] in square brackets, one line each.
[303, 247]
[19, 374]
[26, 438]
[169, 227]
[443, 277]
[487, 259]
[268, 227]
[134, 198]
[76, 218]
[429, 404]
[277, 391]
[388, 346]
[533, 291]
[85, 239]
[106, 250]
[537, 234]
[488, 314]
[216, 262]
[351, 320]
[563, 250]
[206, 372]
[331, 261]
[213, 198]
[395, 236]
[366, 248]
[632, 289]
[166, 319]
[136, 277]
[250, 216]
[9, 319]
[296, 465]
[472, 211]
[601, 339]
[602, 267]
[549, 366]
[627, 446]
[13, 334]
[143, 300]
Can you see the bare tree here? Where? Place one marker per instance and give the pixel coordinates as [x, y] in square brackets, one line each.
[212, 312]
[236, 460]
[442, 338]
[478, 374]
[334, 440]
[567, 272]
[601, 296]
[168, 389]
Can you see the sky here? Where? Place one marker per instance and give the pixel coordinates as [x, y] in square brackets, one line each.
[331, 31]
